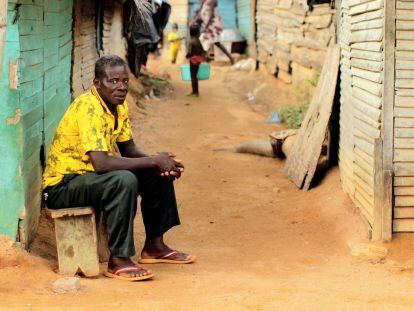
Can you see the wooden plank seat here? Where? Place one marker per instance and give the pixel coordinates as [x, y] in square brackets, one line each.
[78, 241]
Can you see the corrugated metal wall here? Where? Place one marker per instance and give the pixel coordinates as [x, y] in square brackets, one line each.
[361, 105]
[404, 118]
[244, 22]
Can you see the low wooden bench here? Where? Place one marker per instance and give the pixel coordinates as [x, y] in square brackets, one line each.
[81, 240]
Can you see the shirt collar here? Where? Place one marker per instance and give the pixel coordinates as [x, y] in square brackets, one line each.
[95, 92]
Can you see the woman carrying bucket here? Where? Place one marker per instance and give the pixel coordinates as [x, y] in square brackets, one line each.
[195, 53]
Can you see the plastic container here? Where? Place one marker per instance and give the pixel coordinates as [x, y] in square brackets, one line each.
[203, 72]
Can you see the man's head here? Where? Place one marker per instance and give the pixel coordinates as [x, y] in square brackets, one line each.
[111, 79]
[194, 30]
[175, 26]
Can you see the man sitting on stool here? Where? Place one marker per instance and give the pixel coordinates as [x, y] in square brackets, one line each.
[82, 170]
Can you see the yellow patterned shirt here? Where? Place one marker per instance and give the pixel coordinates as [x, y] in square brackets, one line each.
[88, 125]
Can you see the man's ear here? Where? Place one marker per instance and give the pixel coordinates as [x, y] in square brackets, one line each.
[97, 83]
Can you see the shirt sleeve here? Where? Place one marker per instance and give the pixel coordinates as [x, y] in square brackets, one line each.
[91, 129]
[125, 134]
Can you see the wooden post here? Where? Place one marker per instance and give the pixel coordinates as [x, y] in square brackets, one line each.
[253, 6]
[378, 192]
[3, 26]
[338, 16]
[388, 112]
[388, 206]
[383, 180]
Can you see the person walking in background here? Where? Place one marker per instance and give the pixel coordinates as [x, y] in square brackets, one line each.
[195, 53]
[174, 38]
[211, 25]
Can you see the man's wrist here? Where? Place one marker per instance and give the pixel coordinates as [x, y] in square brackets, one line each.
[153, 162]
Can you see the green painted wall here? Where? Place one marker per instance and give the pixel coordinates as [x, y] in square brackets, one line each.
[11, 150]
[41, 38]
[31, 79]
[58, 52]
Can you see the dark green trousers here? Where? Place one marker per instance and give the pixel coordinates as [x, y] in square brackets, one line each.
[115, 194]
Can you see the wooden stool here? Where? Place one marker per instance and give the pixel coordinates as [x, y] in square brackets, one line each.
[76, 240]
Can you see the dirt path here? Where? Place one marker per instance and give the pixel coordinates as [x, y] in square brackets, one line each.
[261, 243]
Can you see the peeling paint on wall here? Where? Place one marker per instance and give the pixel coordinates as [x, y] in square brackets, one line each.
[13, 77]
[11, 185]
[3, 25]
[14, 120]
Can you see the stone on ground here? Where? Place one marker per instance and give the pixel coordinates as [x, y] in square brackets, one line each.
[66, 285]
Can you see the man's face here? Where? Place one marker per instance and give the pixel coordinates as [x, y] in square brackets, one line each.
[114, 87]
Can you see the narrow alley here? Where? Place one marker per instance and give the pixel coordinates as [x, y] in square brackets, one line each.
[261, 243]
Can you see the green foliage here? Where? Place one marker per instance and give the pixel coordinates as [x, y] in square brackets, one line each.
[293, 115]
[314, 82]
[159, 85]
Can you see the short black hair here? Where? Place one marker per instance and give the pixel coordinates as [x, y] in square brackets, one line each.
[105, 61]
[174, 26]
[194, 30]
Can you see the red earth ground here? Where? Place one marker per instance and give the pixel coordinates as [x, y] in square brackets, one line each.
[261, 243]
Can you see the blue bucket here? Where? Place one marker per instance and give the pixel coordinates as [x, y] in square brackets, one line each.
[203, 72]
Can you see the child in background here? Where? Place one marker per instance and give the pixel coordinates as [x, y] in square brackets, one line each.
[196, 54]
[175, 39]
